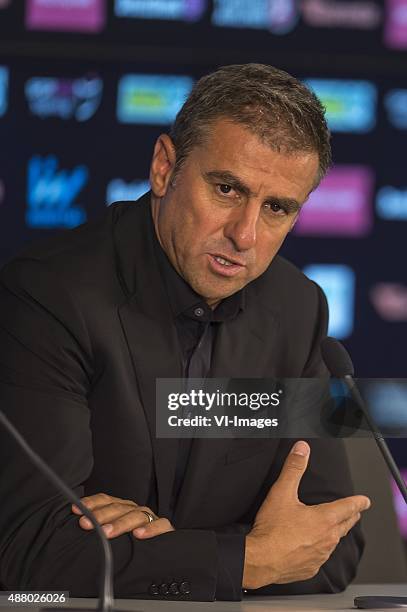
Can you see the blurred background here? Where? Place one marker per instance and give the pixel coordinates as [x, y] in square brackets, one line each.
[86, 86]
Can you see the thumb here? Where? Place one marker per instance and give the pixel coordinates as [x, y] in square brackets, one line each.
[293, 469]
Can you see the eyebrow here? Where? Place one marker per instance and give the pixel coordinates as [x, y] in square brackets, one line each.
[290, 204]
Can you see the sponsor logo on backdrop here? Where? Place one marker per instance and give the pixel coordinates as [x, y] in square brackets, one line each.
[395, 103]
[363, 15]
[387, 400]
[151, 99]
[395, 26]
[341, 205]
[183, 10]
[3, 89]
[338, 284]
[120, 190]
[391, 203]
[66, 15]
[52, 193]
[77, 99]
[350, 105]
[390, 301]
[277, 16]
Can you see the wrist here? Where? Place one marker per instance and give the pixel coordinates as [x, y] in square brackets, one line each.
[257, 570]
[251, 569]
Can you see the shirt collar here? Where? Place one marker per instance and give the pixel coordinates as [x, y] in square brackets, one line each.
[185, 301]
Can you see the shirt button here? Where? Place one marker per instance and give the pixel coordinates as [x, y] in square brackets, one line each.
[199, 312]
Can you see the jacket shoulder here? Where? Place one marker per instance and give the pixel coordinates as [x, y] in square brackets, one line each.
[74, 257]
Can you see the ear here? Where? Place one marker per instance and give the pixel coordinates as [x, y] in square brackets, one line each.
[162, 165]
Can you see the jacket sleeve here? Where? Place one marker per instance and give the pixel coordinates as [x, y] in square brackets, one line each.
[327, 478]
[46, 372]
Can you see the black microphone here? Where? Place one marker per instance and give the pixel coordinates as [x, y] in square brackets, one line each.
[339, 363]
[106, 600]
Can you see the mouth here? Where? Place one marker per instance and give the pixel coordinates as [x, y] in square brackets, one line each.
[225, 266]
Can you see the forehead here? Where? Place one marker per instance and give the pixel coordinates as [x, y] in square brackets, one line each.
[232, 147]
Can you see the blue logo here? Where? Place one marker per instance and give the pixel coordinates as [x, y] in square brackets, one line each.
[277, 16]
[391, 203]
[387, 402]
[183, 10]
[119, 190]
[350, 105]
[64, 98]
[3, 89]
[338, 284]
[151, 99]
[51, 194]
[395, 102]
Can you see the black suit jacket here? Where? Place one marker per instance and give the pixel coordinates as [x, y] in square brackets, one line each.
[85, 328]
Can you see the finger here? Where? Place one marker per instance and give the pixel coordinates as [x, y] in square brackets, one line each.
[99, 500]
[346, 526]
[125, 523]
[345, 508]
[106, 514]
[153, 529]
[113, 512]
[293, 470]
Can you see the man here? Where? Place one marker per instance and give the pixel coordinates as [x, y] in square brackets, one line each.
[186, 282]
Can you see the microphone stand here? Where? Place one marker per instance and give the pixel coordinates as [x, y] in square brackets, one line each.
[106, 600]
[339, 364]
[378, 601]
[380, 441]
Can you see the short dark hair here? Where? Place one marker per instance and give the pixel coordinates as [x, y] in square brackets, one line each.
[274, 105]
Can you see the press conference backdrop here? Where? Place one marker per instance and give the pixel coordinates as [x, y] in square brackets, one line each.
[87, 85]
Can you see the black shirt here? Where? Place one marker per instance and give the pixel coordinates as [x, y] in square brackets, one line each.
[197, 325]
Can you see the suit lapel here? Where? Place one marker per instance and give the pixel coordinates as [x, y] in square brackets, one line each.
[154, 352]
[151, 336]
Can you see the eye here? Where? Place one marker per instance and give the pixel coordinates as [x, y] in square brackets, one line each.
[275, 208]
[224, 188]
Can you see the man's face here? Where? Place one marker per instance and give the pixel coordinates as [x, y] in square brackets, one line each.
[233, 203]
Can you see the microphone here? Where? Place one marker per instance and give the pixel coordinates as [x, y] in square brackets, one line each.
[339, 363]
[106, 600]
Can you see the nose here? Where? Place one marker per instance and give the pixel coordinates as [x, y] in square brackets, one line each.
[241, 227]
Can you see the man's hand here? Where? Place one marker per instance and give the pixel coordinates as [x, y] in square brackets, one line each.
[118, 516]
[290, 541]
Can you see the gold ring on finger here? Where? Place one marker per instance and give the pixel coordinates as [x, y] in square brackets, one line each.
[148, 515]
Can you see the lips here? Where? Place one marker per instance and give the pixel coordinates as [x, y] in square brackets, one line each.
[223, 266]
[230, 260]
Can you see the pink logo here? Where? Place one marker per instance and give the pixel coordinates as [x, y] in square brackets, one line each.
[66, 15]
[390, 301]
[395, 28]
[341, 205]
